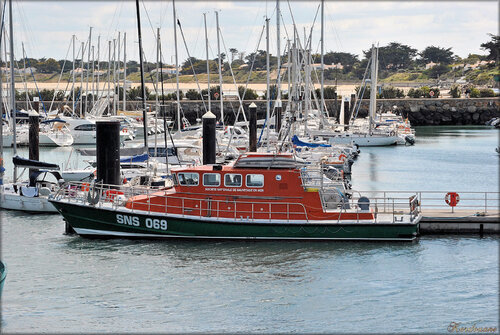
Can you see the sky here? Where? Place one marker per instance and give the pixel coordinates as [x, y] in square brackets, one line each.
[46, 27]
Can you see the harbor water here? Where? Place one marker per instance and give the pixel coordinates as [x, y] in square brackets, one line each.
[64, 283]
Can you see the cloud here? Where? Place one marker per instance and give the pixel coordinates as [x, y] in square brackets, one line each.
[350, 26]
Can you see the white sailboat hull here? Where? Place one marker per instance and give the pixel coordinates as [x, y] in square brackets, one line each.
[15, 201]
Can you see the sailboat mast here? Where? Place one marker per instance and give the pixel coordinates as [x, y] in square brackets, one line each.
[278, 49]
[118, 66]
[322, 105]
[373, 89]
[176, 69]
[1, 106]
[124, 71]
[98, 66]
[208, 61]
[114, 76]
[12, 87]
[144, 115]
[81, 81]
[268, 97]
[73, 76]
[88, 70]
[220, 70]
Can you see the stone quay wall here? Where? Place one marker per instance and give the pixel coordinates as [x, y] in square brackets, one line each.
[420, 112]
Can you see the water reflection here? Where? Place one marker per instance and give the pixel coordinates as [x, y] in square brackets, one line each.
[276, 260]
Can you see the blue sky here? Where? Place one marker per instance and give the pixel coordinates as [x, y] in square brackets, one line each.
[46, 27]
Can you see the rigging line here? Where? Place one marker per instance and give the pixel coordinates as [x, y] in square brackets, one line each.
[149, 20]
[2, 26]
[36, 85]
[335, 30]
[253, 60]
[60, 77]
[111, 23]
[192, 67]
[284, 25]
[309, 40]
[27, 33]
[294, 25]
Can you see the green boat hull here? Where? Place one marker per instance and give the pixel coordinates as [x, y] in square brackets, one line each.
[98, 222]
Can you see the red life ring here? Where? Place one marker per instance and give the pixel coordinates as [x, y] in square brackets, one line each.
[452, 199]
[85, 187]
[342, 157]
[216, 95]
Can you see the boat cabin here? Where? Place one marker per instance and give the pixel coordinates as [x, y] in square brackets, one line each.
[255, 186]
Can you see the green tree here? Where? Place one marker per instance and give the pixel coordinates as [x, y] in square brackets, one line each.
[347, 60]
[438, 70]
[233, 52]
[493, 47]
[394, 56]
[260, 60]
[437, 55]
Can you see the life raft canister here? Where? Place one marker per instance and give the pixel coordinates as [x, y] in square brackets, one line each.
[452, 198]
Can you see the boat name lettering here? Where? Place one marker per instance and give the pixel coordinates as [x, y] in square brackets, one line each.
[127, 219]
[156, 224]
[223, 189]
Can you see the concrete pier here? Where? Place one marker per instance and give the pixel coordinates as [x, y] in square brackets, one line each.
[459, 222]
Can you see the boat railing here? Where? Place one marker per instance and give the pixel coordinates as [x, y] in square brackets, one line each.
[477, 203]
[114, 197]
[360, 202]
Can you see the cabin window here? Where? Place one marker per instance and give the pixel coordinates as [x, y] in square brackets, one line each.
[86, 127]
[188, 178]
[211, 179]
[255, 180]
[232, 180]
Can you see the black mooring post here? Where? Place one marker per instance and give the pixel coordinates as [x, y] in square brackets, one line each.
[108, 152]
[34, 139]
[346, 111]
[208, 120]
[334, 111]
[277, 115]
[252, 126]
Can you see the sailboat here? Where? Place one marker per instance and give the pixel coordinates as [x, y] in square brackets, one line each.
[363, 137]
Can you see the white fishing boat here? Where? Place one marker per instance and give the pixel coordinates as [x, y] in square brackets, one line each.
[32, 195]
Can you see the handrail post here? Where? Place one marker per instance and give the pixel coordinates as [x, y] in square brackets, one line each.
[269, 210]
[287, 212]
[485, 202]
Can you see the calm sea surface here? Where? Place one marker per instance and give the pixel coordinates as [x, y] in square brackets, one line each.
[63, 283]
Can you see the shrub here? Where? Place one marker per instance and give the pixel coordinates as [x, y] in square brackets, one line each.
[455, 91]
[475, 93]
[192, 94]
[391, 93]
[415, 93]
[328, 91]
[423, 92]
[249, 94]
[486, 93]
[436, 93]
[366, 93]
[413, 76]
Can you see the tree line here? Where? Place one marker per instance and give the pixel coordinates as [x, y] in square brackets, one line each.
[394, 57]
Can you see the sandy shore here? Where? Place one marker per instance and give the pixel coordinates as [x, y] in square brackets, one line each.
[170, 87]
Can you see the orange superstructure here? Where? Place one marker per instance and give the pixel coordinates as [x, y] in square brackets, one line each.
[256, 187]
